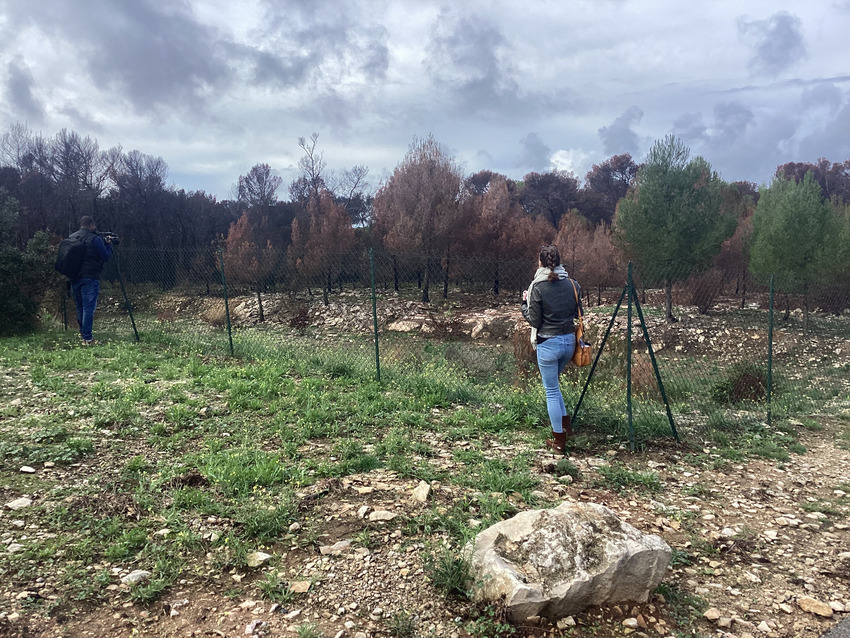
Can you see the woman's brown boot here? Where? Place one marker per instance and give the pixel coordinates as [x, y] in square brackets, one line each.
[567, 425]
[558, 442]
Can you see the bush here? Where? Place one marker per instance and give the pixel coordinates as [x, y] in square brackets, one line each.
[24, 276]
[745, 381]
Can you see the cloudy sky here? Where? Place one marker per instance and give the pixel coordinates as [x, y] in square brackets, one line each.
[216, 86]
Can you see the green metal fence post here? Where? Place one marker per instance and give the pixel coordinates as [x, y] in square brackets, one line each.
[631, 286]
[375, 314]
[770, 354]
[126, 299]
[655, 368]
[226, 304]
[599, 353]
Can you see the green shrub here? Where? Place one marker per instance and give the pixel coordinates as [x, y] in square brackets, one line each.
[744, 381]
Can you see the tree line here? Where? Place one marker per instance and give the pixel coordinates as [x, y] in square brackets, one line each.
[671, 215]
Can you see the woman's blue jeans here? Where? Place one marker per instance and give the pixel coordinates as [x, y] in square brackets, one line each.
[552, 355]
[85, 299]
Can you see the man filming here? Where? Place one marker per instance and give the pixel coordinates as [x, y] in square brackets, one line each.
[86, 286]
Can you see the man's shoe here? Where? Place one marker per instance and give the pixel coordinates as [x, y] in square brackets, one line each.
[88, 342]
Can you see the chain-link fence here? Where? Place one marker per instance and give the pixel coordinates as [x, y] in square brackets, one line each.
[727, 347]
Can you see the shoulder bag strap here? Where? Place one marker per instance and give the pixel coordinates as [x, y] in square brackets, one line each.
[580, 325]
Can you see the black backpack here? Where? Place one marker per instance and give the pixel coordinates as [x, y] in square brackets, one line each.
[69, 260]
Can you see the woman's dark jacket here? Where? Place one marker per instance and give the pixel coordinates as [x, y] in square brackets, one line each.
[552, 308]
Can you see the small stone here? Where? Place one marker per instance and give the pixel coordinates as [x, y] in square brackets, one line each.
[814, 606]
[712, 614]
[295, 527]
[630, 623]
[13, 616]
[834, 604]
[421, 492]
[254, 626]
[763, 627]
[382, 516]
[14, 548]
[136, 576]
[162, 533]
[336, 549]
[299, 586]
[49, 464]
[26, 469]
[362, 511]
[19, 503]
[255, 559]
[567, 622]
[724, 622]
[788, 609]
[248, 604]
[293, 614]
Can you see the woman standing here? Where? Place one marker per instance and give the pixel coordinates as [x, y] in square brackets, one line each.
[551, 305]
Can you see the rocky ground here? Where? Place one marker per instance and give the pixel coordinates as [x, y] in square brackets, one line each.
[762, 548]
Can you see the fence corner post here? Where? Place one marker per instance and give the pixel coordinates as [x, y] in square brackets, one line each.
[226, 304]
[770, 355]
[374, 314]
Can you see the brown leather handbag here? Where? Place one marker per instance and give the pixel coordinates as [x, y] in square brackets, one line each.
[582, 354]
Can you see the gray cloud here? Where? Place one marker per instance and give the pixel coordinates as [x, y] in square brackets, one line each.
[19, 88]
[153, 54]
[468, 59]
[536, 155]
[306, 41]
[690, 127]
[618, 137]
[825, 95]
[777, 42]
[829, 140]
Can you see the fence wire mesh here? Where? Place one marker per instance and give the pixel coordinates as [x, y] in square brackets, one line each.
[458, 318]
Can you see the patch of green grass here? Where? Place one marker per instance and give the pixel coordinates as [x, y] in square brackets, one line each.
[275, 589]
[620, 479]
[308, 630]
[402, 624]
[685, 608]
[448, 571]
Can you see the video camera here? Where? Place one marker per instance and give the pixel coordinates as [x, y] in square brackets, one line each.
[111, 237]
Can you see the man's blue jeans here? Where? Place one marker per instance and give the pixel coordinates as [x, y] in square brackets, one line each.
[552, 355]
[85, 298]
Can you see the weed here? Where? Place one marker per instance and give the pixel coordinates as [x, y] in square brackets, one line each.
[565, 467]
[621, 478]
[308, 630]
[402, 625]
[491, 622]
[744, 381]
[275, 589]
[448, 572]
[684, 608]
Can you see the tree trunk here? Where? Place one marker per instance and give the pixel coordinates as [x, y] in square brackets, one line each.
[395, 273]
[743, 289]
[496, 279]
[598, 295]
[668, 301]
[805, 313]
[326, 289]
[446, 275]
[425, 281]
[787, 314]
[260, 305]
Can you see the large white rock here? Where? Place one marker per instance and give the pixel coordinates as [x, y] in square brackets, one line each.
[557, 562]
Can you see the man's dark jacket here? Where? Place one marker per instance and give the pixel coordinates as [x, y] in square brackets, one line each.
[98, 252]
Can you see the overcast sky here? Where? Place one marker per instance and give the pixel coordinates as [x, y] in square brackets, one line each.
[216, 86]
